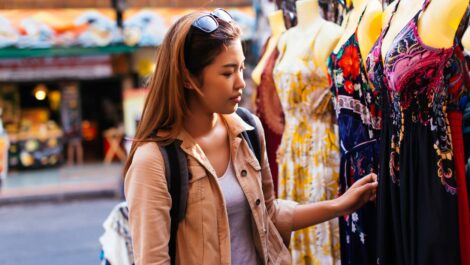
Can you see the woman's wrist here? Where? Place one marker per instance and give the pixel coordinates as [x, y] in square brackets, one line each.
[338, 206]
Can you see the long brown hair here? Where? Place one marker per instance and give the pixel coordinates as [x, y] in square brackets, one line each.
[179, 59]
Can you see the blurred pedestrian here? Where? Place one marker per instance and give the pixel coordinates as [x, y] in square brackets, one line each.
[231, 215]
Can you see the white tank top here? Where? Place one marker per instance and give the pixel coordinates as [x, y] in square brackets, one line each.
[242, 246]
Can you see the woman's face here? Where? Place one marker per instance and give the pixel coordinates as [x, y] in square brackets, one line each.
[222, 81]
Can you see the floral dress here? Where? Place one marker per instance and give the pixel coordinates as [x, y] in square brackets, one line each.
[358, 117]
[308, 155]
[417, 195]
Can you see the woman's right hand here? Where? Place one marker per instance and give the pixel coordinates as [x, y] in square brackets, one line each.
[361, 192]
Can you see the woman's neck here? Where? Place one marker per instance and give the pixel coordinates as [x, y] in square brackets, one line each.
[198, 121]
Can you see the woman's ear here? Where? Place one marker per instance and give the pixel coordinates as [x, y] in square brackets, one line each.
[191, 82]
[187, 84]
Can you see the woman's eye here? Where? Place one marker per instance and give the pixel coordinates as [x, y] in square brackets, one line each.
[227, 74]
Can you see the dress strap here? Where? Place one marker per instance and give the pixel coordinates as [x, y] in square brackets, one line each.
[390, 19]
[362, 15]
[423, 8]
[425, 4]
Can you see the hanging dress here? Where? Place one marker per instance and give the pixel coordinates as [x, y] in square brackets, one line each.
[269, 110]
[456, 78]
[417, 195]
[308, 155]
[359, 130]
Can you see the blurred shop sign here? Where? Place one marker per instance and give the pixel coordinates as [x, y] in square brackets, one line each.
[47, 28]
[147, 26]
[46, 68]
[91, 28]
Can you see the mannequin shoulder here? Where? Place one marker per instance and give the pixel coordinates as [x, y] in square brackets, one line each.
[327, 39]
[373, 12]
[387, 13]
[373, 16]
[444, 10]
[283, 39]
[439, 22]
[330, 32]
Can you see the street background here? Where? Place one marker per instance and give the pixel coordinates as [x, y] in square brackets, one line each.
[53, 233]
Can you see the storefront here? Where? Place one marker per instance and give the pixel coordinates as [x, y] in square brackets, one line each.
[65, 74]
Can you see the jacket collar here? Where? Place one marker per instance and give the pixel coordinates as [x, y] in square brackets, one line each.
[235, 125]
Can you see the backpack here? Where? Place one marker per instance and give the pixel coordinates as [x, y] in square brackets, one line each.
[177, 175]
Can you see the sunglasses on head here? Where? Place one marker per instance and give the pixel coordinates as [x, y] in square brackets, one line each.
[208, 22]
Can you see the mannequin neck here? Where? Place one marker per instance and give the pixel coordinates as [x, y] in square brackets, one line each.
[276, 22]
[358, 4]
[308, 12]
[411, 2]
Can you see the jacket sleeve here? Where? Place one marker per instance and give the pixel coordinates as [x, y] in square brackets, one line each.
[281, 212]
[149, 205]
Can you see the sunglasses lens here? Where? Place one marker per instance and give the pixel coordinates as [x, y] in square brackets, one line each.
[206, 24]
[222, 14]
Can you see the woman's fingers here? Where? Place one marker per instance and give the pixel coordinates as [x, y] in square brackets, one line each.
[372, 177]
[369, 187]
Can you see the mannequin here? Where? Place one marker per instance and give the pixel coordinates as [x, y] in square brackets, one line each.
[308, 156]
[369, 29]
[436, 27]
[414, 66]
[310, 23]
[466, 39]
[268, 106]
[276, 21]
[358, 122]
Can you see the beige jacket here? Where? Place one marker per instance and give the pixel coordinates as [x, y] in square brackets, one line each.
[204, 235]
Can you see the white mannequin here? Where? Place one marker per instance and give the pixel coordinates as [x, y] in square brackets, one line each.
[276, 21]
[297, 39]
[369, 29]
[436, 26]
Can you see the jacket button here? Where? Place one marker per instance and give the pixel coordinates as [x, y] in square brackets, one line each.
[244, 173]
[258, 201]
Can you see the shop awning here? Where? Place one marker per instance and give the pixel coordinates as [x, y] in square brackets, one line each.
[56, 32]
[147, 27]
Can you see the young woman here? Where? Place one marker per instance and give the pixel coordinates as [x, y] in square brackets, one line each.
[232, 216]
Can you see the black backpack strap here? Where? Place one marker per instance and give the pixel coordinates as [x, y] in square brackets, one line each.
[177, 176]
[251, 137]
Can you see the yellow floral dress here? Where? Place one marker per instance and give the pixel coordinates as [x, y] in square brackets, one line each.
[308, 155]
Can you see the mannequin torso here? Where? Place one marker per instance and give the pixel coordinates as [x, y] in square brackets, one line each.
[437, 24]
[276, 21]
[369, 28]
[311, 28]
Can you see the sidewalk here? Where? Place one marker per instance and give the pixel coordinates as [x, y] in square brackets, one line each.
[62, 183]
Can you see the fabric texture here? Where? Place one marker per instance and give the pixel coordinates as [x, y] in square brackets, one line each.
[358, 116]
[308, 156]
[417, 201]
